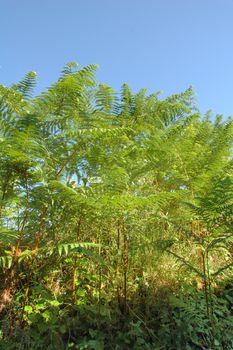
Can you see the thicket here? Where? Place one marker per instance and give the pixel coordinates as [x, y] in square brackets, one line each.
[116, 219]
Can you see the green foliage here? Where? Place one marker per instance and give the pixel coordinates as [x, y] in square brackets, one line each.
[26, 85]
[106, 200]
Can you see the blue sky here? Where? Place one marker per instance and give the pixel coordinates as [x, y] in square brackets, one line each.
[159, 44]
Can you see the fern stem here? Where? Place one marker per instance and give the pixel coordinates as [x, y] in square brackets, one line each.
[117, 262]
[124, 263]
[205, 277]
[74, 274]
[65, 163]
[79, 228]
[205, 285]
[74, 277]
[24, 219]
[209, 285]
[4, 190]
[41, 226]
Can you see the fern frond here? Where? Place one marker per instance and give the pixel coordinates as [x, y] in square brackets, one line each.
[69, 69]
[26, 85]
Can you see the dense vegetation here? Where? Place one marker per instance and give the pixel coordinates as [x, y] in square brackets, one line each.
[116, 219]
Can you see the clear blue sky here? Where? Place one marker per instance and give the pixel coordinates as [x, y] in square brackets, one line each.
[159, 44]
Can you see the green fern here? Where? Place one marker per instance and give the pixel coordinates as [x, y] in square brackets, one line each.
[26, 85]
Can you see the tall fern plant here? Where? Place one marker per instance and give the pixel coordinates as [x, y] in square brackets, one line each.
[92, 180]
